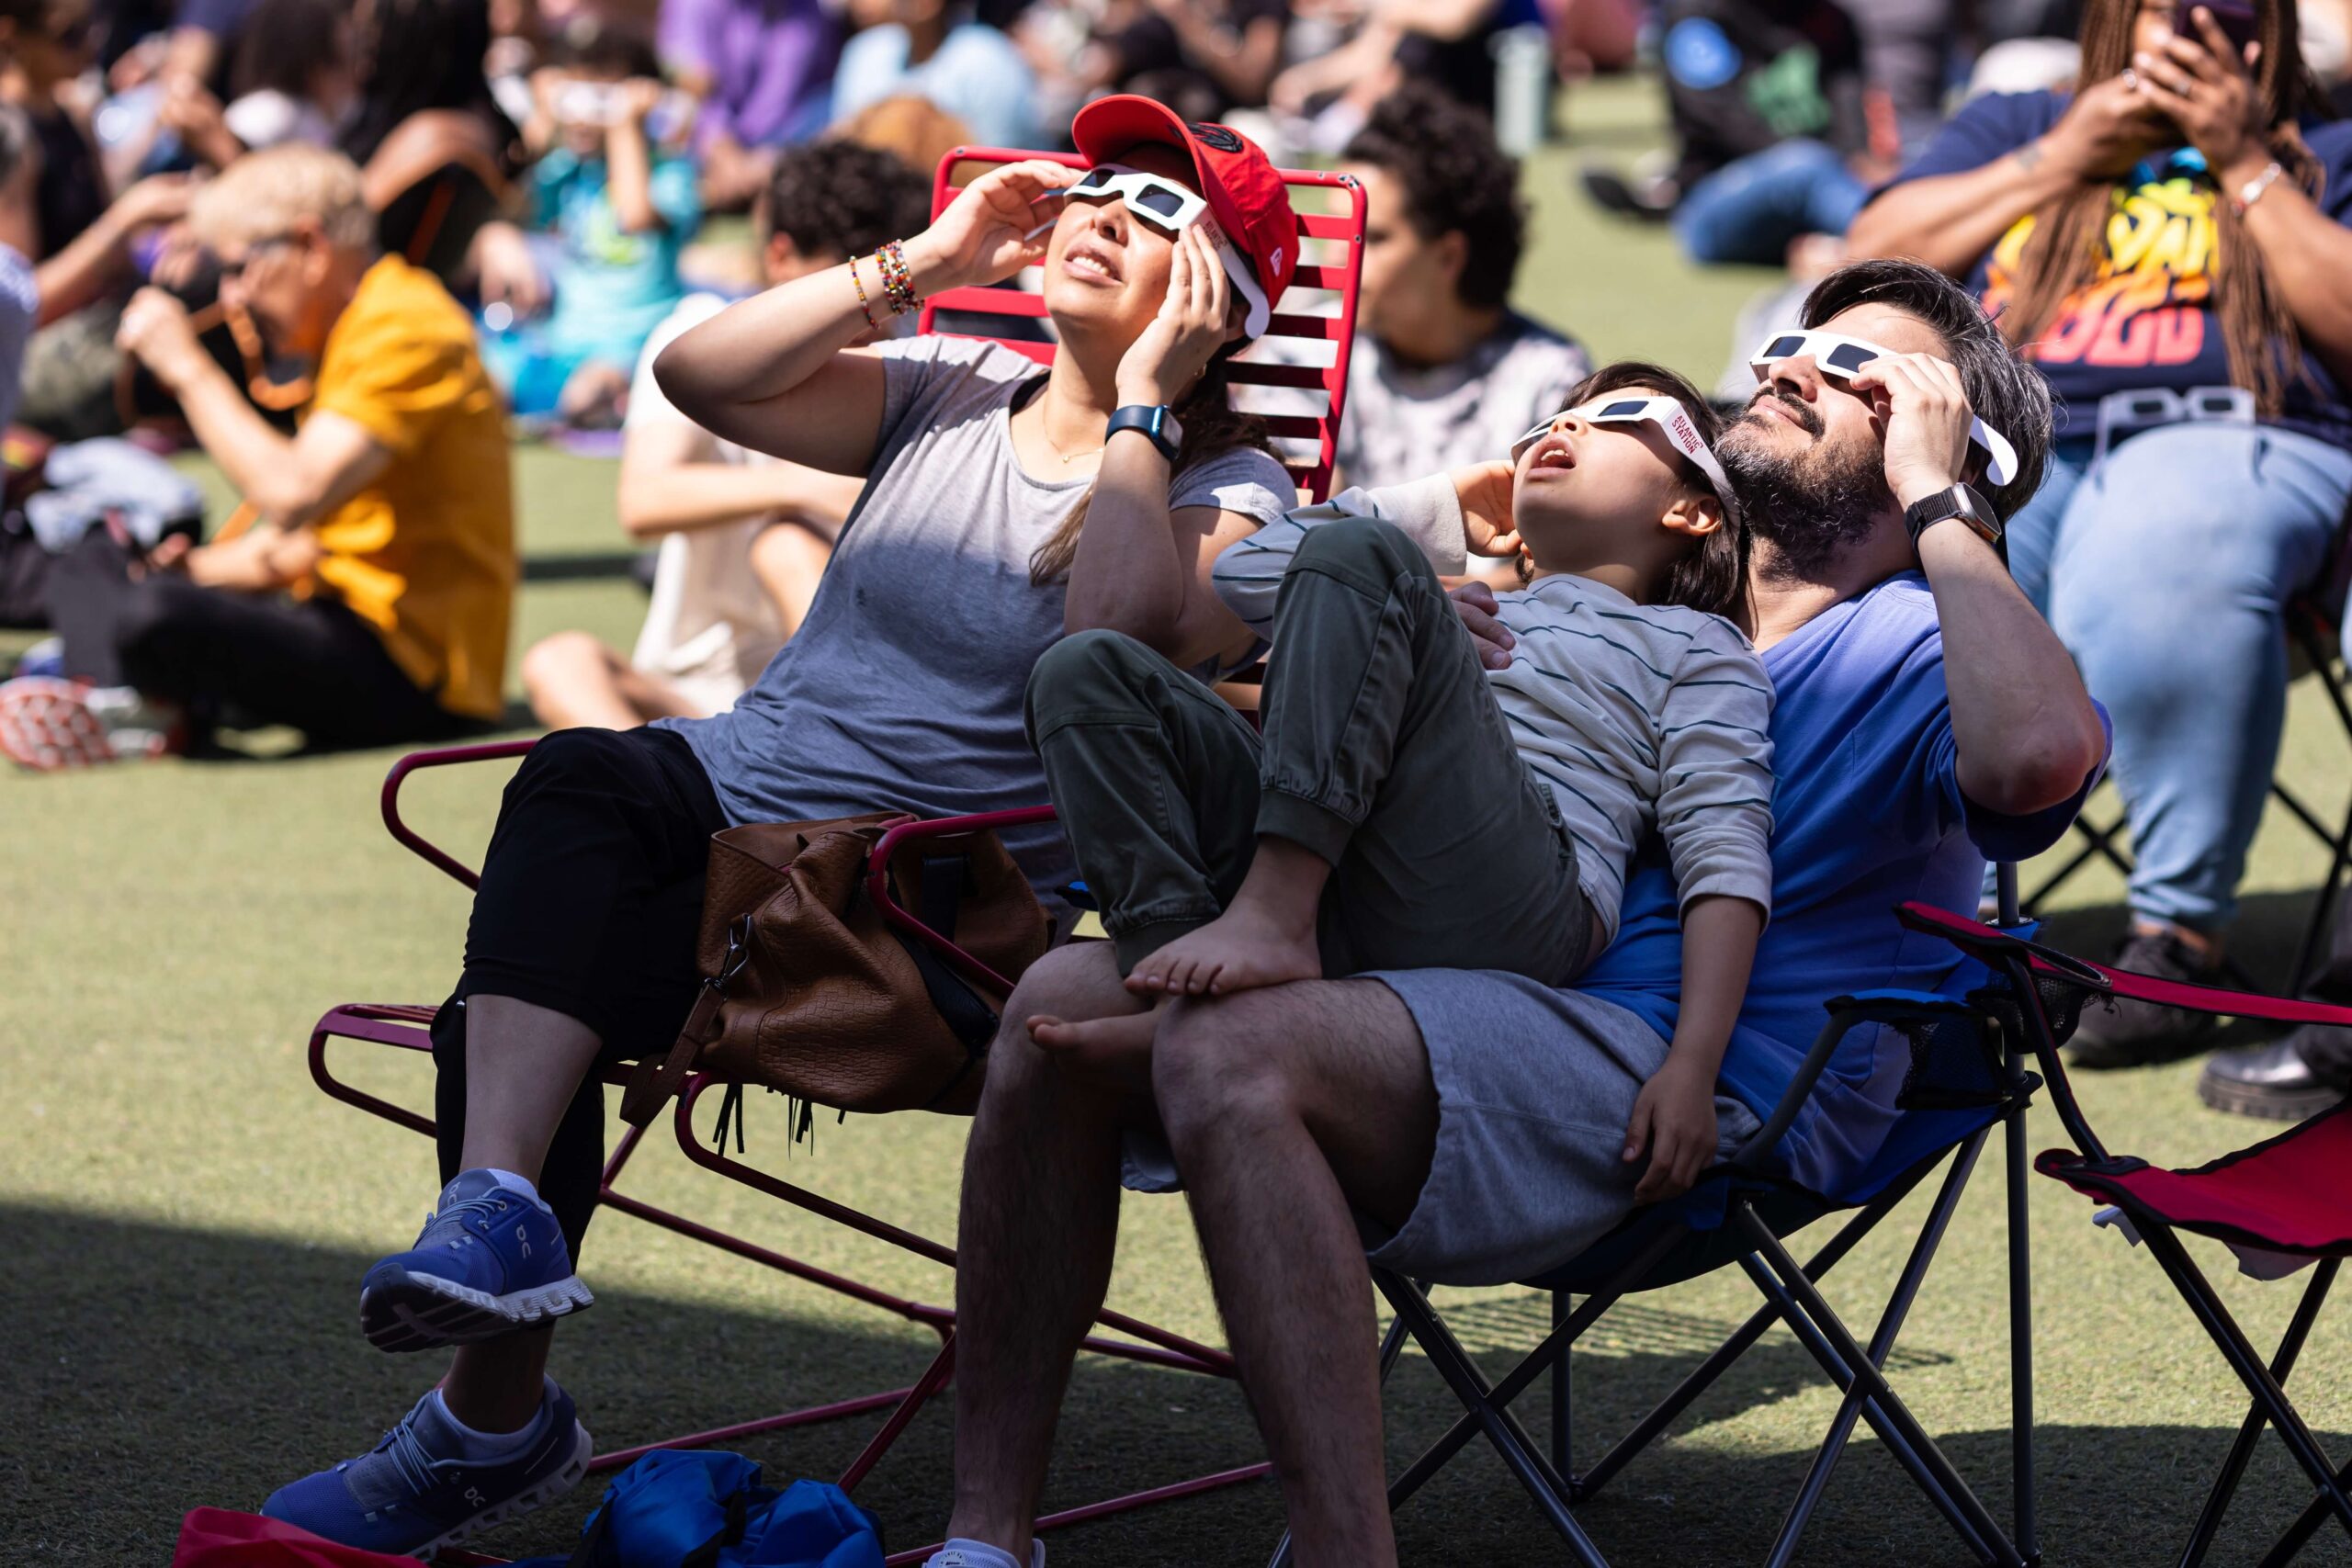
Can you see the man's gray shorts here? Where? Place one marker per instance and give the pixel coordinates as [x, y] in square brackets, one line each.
[1534, 1089]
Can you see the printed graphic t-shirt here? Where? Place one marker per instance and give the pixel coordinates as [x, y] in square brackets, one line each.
[1742, 75]
[615, 286]
[2147, 320]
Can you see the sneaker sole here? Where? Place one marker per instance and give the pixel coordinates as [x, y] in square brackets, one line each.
[419, 1312]
[573, 1471]
[46, 725]
[2265, 1104]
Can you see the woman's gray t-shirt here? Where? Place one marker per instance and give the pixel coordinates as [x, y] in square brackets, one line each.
[903, 691]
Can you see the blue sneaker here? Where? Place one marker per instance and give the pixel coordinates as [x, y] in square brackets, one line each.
[488, 1261]
[414, 1492]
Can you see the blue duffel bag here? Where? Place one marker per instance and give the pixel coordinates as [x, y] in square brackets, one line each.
[676, 1510]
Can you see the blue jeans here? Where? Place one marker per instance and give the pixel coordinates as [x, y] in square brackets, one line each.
[1750, 208]
[2165, 571]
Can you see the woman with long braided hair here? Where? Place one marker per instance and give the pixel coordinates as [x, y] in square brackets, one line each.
[2167, 242]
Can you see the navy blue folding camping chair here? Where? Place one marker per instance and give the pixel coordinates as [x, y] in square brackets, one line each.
[1966, 1075]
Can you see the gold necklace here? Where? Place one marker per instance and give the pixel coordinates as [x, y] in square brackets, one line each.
[1067, 457]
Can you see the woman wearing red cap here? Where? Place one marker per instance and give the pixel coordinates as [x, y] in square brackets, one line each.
[1004, 505]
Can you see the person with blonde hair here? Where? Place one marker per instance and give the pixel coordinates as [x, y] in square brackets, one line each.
[368, 604]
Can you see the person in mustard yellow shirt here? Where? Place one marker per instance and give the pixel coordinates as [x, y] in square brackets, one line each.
[369, 602]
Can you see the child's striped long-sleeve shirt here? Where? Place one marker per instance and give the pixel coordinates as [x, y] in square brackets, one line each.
[1633, 714]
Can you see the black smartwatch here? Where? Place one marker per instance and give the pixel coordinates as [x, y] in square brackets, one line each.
[1154, 421]
[1962, 502]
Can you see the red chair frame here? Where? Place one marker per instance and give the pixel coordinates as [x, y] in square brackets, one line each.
[407, 1027]
[2033, 975]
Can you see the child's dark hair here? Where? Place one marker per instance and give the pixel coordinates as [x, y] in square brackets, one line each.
[284, 46]
[1456, 179]
[1711, 575]
[837, 198]
[598, 48]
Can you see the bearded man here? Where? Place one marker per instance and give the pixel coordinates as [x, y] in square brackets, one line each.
[1470, 1128]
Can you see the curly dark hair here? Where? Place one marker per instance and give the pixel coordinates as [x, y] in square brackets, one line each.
[1712, 575]
[837, 198]
[1456, 179]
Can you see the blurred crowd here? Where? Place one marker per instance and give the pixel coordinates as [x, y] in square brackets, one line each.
[348, 246]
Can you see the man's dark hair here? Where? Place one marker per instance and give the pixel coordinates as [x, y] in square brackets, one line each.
[2006, 392]
[1713, 574]
[1455, 178]
[839, 198]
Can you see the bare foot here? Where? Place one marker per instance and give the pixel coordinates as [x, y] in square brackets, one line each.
[1239, 951]
[1105, 1050]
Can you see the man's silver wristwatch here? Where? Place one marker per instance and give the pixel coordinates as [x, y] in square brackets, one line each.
[1962, 502]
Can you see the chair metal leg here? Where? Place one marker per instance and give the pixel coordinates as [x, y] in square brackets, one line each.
[2282, 1364]
[1823, 1333]
[2024, 1481]
[2223, 1328]
[1511, 1440]
[1703, 1377]
[1890, 1324]
[2290, 1545]
[1563, 1393]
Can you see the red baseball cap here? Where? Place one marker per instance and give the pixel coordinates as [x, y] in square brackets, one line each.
[1246, 197]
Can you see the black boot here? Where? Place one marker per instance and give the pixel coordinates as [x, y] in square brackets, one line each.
[2131, 1033]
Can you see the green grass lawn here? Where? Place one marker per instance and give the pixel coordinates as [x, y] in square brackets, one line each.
[184, 1218]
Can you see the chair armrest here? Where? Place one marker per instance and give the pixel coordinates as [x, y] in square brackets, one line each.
[1998, 950]
[1845, 1013]
[408, 837]
[877, 883]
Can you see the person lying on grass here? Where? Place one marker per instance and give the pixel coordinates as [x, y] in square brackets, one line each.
[1404, 805]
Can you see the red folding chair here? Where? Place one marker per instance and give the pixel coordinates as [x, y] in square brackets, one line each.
[1291, 359]
[2289, 1195]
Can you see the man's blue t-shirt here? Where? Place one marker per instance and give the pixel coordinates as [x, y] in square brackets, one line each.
[1868, 813]
[612, 287]
[2146, 319]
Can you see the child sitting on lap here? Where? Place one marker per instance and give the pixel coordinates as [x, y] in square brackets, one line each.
[1405, 807]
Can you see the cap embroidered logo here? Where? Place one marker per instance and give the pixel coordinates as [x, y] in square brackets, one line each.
[1216, 136]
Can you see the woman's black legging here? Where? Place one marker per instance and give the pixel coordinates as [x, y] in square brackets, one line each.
[589, 902]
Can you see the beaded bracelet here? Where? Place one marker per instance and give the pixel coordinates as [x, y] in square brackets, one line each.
[897, 279]
[864, 307]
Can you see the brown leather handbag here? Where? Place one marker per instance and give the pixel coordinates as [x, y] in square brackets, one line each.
[808, 991]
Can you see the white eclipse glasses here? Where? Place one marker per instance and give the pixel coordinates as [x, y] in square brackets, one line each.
[1644, 408]
[1839, 358]
[1171, 208]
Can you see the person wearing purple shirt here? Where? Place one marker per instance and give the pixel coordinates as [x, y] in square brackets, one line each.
[763, 70]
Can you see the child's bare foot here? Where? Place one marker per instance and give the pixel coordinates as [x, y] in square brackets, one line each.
[1239, 951]
[1105, 1050]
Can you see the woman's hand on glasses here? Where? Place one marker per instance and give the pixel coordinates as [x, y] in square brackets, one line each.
[992, 230]
[2206, 87]
[1195, 320]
